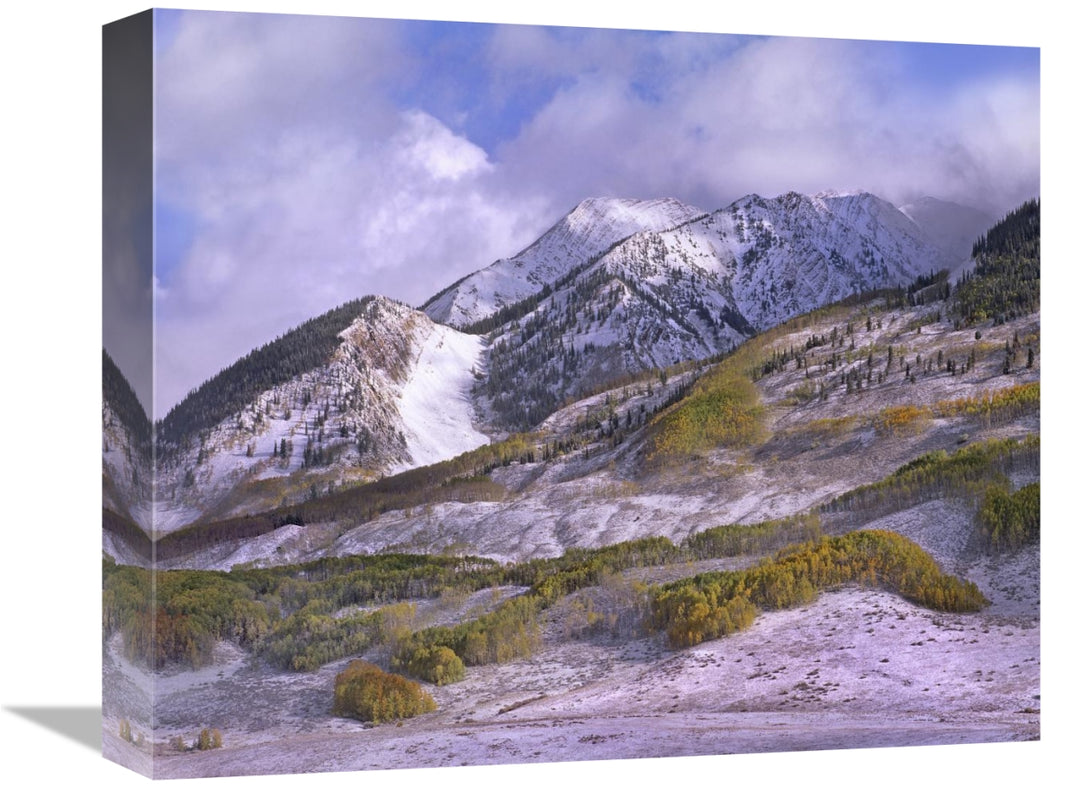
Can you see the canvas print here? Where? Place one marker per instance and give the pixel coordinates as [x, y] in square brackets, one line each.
[483, 393]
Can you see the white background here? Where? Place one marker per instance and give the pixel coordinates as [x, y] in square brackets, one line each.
[50, 288]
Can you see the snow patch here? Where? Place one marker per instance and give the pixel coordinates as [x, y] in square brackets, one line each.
[435, 404]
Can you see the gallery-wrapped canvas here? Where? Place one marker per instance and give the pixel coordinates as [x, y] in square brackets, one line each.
[496, 394]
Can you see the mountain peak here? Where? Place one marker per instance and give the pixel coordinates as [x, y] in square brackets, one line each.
[376, 307]
[590, 229]
[627, 206]
[829, 194]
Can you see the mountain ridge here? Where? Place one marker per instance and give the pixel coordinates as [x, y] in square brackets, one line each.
[615, 288]
[483, 292]
[696, 290]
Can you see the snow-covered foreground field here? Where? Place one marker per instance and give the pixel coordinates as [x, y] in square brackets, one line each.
[856, 668]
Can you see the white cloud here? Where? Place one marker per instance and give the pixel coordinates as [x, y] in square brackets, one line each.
[317, 217]
[230, 81]
[314, 181]
[307, 184]
[780, 114]
[437, 151]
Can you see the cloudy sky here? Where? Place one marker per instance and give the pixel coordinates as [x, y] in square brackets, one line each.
[304, 161]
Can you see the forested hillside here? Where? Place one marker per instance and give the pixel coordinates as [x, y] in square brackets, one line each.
[1005, 282]
[300, 350]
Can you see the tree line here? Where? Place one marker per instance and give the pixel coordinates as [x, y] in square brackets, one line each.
[966, 473]
[463, 478]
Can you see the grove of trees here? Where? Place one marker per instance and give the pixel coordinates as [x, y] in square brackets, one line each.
[714, 604]
[1009, 520]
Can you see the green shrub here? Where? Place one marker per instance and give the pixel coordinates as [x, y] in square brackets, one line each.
[510, 631]
[312, 637]
[724, 409]
[435, 664]
[994, 407]
[181, 615]
[366, 692]
[901, 420]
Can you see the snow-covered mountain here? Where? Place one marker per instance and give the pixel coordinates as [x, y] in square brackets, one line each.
[588, 230]
[793, 253]
[867, 240]
[394, 394]
[697, 289]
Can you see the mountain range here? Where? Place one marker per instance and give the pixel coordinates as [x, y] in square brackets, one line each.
[616, 289]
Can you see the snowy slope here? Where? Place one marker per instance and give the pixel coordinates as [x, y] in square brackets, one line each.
[125, 469]
[126, 466]
[435, 404]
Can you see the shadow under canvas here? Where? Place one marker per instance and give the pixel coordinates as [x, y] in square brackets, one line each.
[81, 724]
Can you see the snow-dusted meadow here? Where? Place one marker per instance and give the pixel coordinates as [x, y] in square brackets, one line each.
[856, 668]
